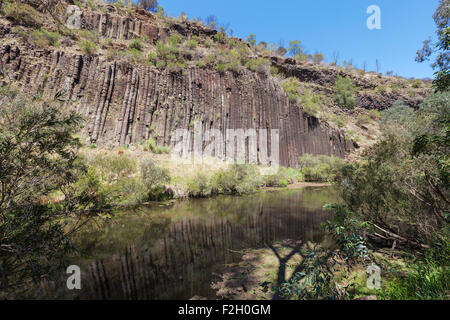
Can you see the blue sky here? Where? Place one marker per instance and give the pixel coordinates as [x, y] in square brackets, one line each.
[328, 26]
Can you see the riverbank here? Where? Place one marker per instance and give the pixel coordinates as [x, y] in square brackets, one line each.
[261, 274]
[136, 175]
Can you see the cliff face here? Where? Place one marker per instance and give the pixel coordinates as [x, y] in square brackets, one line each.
[125, 103]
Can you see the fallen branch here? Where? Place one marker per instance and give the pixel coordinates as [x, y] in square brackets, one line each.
[390, 236]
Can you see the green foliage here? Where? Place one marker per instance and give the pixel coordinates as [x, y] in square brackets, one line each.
[175, 40]
[258, 65]
[319, 168]
[155, 148]
[221, 67]
[44, 38]
[38, 157]
[191, 44]
[136, 44]
[251, 39]
[403, 183]
[310, 103]
[283, 177]
[429, 280]
[150, 5]
[88, 47]
[374, 114]
[133, 56]
[153, 176]
[416, 84]
[442, 80]
[316, 277]
[440, 49]
[343, 92]
[295, 48]
[290, 86]
[200, 186]
[348, 231]
[169, 55]
[23, 14]
[237, 179]
[220, 37]
[363, 119]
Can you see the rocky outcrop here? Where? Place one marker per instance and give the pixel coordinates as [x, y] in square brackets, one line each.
[125, 104]
[141, 24]
[308, 72]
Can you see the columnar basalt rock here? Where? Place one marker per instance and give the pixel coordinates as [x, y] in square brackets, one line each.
[125, 104]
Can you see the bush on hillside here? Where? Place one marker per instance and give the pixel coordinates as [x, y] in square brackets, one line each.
[343, 92]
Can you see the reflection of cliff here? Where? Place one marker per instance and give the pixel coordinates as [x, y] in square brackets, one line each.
[182, 262]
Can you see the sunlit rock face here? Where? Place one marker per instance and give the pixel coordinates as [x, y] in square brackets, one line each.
[125, 103]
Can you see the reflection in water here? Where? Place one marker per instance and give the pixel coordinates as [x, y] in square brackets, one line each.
[173, 252]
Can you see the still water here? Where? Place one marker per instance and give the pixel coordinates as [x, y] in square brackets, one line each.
[176, 251]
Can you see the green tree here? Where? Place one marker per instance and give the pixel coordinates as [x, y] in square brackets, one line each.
[440, 48]
[251, 39]
[295, 48]
[150, 5]
[343, 92]
[402, 186]
[38, 159]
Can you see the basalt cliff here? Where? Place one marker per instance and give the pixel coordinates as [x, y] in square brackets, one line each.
[125, 99]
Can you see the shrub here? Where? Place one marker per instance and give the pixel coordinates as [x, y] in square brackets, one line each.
[175, 40]
[152, 58]
[290, 86]
[283, 177]
[409, 157]
[199, 186]
[274, 71]
[238, 179]
[35, 165]
[113, 168]
[136, 44]
[220, 37]
[44, 38]
[362, 120]
[319, 168]
[23, 14]
[416, 84]
[428, 281]
[191, 44]
[310, 103]
[155, 148]
[399, 114]
[374, 114]
[259, 65]
[152, 175]
[343, 92]
[339, 121]
[221, 68]
[88, 47]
